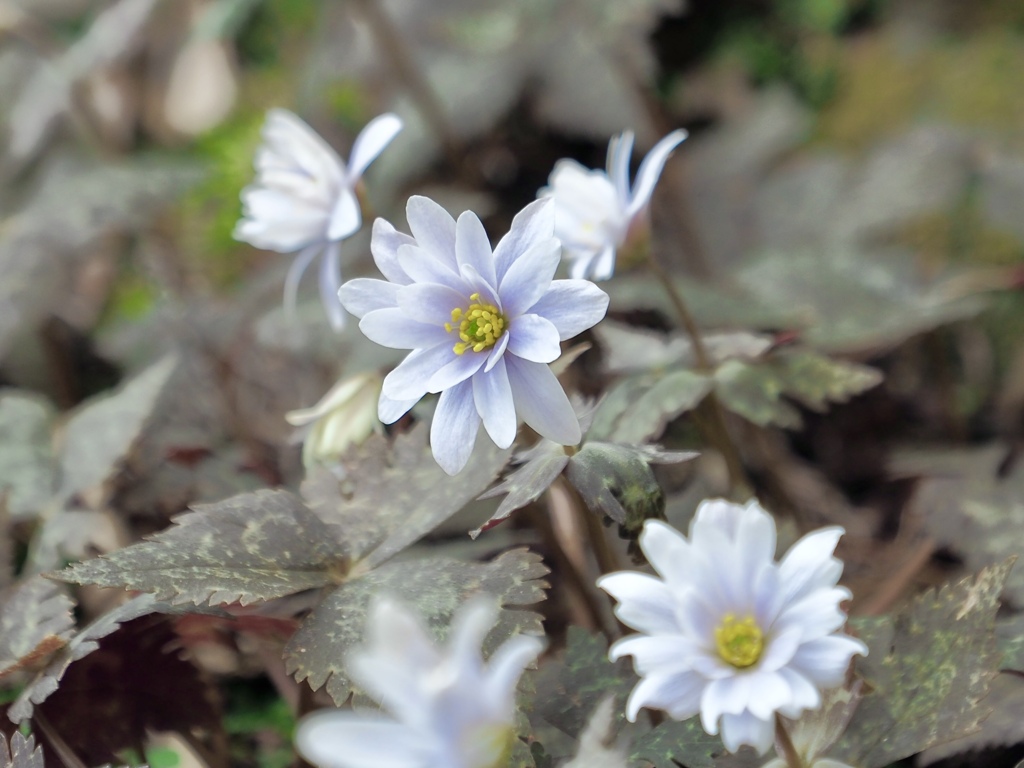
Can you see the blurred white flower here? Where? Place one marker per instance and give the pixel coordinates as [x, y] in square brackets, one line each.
[345, 416]
[450, 709]
[304, 199]
[482, 325]
[597, 213]
[727, 631]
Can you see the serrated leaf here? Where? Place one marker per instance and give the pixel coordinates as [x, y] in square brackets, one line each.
[80, 645]
[1010, 641]
[255, 546]
[101, 433]
[27, 464]
[393, 495]
[673, 743]
[35, 622]
[929, 668]
[667, 397]
[435, 588]
[22, 753]
[759, 391]
[540, 466]
[1003, 727]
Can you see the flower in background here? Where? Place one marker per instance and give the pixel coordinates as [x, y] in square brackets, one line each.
[345, 416]
[304, 199]
[597, 213]
[450, 709]
[482, 325]
[729, 632]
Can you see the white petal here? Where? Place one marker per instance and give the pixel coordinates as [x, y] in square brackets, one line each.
[650, 170]
[457, 371]
[655, 654]
[677, 693]
[478, 284]
[620, 149]
[371, 141]
[364, 295]
[290, 139]
[384, 244]
[335, 739]
[470, 626]
[645, 603]
[493, 396]
[346, 217]
[603, 266]
[536, 222]
[534, 338]
[294, 277]
[391, 327]
[389, 411]
[497, 352]
[780, 650]
[541, 402]
[728, 695]
[409, 380]
[279, 222]
[804, 694]
[431, 303]
[529, 277]
[738, 730]
[572, 306]
[506, 666]
[422, 267]
[330, 283]
[668, 551]
[453, 430]
[472, 246]
[809, 563]
[768, 692]
[824, 661]
[434, 229]
[816, 614]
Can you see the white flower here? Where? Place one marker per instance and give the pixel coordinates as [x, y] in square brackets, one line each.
[304, 198]
[451, 710]
[346, 415]
[482, 325]
[727, 631]
[597, 212]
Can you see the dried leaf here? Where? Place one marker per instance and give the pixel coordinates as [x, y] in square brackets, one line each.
[434, 587]
[756, 391]
[27, 463]
[929, 668]
[35, 622]
[102, 433]
[1003, 727]
[255, 546]
[23, 752]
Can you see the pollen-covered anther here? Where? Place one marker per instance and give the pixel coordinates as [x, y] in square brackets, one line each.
[740, 641]
[479, 327]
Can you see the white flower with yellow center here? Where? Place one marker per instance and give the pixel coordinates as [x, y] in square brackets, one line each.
[727, 631]
[482, 325]
[597, 212]
[304, 199]
[450, 709]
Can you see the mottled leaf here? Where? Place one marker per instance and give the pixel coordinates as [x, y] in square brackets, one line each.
[928, 669]
[1010, 641]
[22, 753]
[597, 744]
[663, 399]
[101, 433]
[255, 546]
[35, 622]
[616, 480]
[27, 463]
[80, 645]
[674, 743]
[816, 732]
[1003, 727]
[539, 468]
[392, 495]
[435, 588]
[760, 392]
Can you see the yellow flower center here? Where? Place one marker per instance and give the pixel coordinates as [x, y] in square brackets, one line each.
[740, 641]
[478, 327]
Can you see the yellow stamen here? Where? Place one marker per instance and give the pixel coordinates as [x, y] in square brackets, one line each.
[478, 327]
[740, 641]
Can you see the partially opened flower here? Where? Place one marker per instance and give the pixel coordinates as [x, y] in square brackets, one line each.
[304, 198]
[482, 325]
[728, 632]
[449, 708]
[597, 212]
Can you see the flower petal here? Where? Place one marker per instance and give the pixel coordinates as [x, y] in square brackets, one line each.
[364, 295]
[472, 246]
[330, 282]
[529, 277]
[678, 693]
[536, 222]
[668, 551]
[431, 303]
[295, 272]
[409, 379]
[371, 141]
[346, 217]
[391, 327]
[384, 244]
[457, 371]
[650, 170]
[809, 563]
[434, 229]
[422, 267]
[493, 397]
[620, 149]
[745, 728]
[534, 338]
[389, 411]
[645, 603]
[572, 306]
[453, 430]
[337, 739]
[541, 402]
[506, 666]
